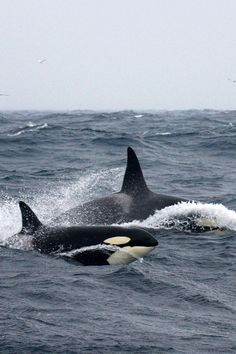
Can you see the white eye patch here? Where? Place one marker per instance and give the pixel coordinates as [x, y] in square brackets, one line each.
[117, 240]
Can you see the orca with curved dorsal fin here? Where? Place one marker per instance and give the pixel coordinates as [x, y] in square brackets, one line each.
[135, 201]
[90, 245]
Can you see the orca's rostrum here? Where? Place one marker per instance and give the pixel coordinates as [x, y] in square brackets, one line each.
[115, 244]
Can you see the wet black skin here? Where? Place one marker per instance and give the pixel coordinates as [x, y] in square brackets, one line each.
[134, 202]
[53, 239]
[64, 239]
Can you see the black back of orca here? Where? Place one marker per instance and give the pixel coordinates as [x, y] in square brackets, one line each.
[53, 239]
[134, 202]
[65, 239]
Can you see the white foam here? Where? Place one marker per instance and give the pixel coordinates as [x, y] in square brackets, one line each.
[218, 214]
[73, 253]
[10, 219]
[16, 134]
[34, 127]
[165, 133]
[31, 125]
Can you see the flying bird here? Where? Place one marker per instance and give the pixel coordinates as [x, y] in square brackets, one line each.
[234, 81]
[41, 61]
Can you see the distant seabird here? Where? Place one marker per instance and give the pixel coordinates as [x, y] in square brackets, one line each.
[234, 81]
[41, 61]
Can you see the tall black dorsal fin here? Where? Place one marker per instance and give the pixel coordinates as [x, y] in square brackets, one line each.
[134, 182]
[30, 222]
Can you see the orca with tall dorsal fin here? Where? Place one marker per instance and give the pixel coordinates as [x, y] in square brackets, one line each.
[90, 245]
[135, 201]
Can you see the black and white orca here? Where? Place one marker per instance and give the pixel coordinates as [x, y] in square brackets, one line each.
[90, 245]
[135, 201]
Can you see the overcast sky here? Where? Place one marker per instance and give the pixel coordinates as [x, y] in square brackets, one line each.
[117, 54]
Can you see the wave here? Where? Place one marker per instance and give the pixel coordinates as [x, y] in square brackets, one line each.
[30, 127]
[181, 214]
[165, 133]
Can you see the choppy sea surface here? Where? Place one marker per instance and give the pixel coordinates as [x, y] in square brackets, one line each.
[182, 297]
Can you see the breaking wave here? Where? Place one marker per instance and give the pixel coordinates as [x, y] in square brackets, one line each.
[29, 127]
[181, 214]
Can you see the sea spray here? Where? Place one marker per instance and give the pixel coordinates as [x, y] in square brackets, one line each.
[215, 215]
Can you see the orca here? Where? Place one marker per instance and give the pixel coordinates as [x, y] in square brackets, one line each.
[135, 201]
[89, 245]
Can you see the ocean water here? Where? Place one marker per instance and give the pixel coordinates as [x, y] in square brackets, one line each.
[181, 298]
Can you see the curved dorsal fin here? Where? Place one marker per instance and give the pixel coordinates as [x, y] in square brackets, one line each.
[134, 182]
[30, 222]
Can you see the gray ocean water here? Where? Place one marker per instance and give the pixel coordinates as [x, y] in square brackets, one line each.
[181, 298]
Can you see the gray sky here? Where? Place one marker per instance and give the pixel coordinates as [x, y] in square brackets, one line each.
[117, 54]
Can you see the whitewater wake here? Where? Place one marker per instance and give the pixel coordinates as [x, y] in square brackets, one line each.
[209, 214]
